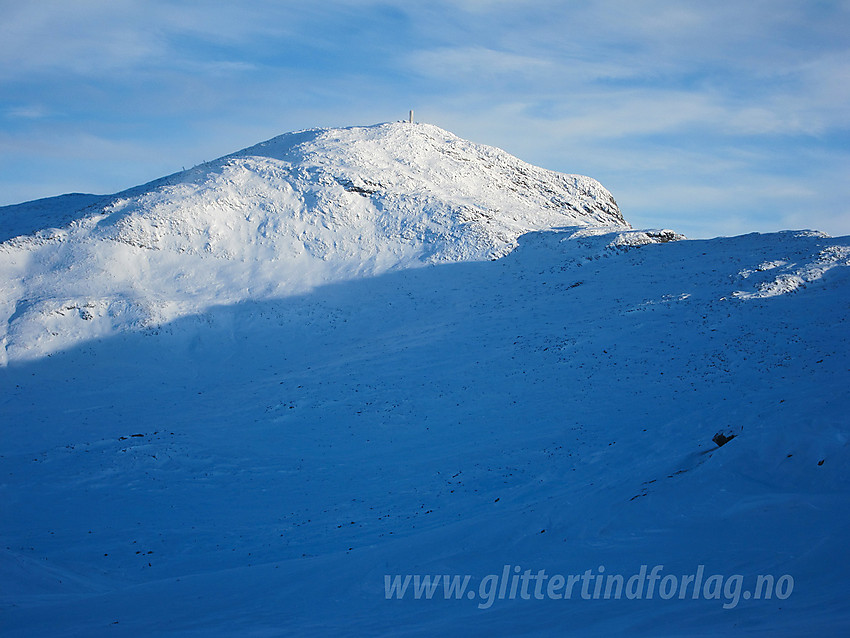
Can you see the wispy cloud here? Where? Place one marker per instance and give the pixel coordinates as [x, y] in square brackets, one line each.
[476, 64]
[659, 99]
[27, 112]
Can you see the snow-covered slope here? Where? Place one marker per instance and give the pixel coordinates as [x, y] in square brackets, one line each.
[269, 221]
[258, 465]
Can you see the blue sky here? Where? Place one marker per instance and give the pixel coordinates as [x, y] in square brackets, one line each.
[712, 118]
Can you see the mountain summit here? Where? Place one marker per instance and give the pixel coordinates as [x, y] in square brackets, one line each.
[310, 432]
[273, 220]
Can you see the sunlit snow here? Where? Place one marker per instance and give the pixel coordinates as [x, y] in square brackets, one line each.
[235, 399]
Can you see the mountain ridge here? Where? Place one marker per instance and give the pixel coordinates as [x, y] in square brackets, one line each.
[274, 219]
[241, 400]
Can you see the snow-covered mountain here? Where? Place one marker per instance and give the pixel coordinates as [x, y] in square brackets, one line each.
[242, 399]
[272, 220]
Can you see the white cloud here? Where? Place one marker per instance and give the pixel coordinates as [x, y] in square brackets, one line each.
[637, 94]
[476, 64]
[103, 37]
[28, 112]
[81, 38]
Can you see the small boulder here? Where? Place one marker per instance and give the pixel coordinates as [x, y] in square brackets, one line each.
[722, 439]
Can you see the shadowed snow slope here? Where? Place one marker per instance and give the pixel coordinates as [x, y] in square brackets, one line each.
[259, 464]
[270, 221]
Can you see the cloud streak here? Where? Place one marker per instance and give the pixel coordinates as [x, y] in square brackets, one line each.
[658, 99]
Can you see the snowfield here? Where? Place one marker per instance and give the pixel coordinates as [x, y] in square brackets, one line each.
[270, 221]
[236, 399]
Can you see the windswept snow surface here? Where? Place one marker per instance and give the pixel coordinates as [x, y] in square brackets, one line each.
[270, 221]
[258, 465]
